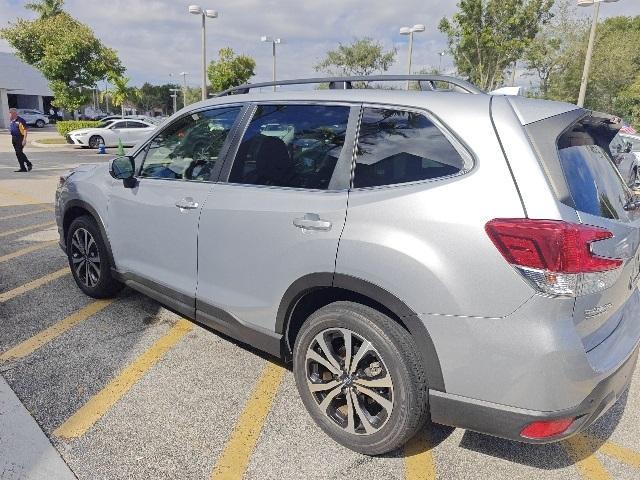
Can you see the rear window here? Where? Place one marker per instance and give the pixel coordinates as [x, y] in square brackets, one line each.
[587, 152]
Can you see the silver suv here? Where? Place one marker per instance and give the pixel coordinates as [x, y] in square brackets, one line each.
[446, 255]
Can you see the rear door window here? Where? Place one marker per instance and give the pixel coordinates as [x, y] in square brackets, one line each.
[295, 146]
[587, 152]
[396, 146]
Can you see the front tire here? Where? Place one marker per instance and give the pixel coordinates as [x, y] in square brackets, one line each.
[89, 259]
[360, 377]
[40, 123]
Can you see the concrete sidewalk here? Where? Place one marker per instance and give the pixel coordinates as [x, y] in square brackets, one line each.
[25, 451]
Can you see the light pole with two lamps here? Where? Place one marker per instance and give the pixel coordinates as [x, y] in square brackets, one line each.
[410, 31]
[592, 38]
[273, 42]
[197, 10]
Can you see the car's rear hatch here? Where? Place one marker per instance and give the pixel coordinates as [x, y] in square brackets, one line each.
[585, 178]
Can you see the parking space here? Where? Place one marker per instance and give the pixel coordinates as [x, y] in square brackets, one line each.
[128, 389]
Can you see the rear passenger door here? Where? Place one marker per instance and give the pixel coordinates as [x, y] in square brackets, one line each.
[277, 213]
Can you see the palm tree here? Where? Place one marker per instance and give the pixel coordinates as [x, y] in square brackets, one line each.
[120, 93]
[46, 8]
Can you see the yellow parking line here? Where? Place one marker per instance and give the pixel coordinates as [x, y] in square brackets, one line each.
[621, 453]
[580, 449]
[24, 229]
[8, 295]
[34, 343]
[102, 401]
[32, 212]
[418, 459]
[24, 251]
[235, 457]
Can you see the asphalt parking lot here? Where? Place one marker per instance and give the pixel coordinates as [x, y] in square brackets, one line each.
[127, 389]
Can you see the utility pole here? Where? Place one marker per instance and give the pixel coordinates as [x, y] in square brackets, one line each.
[184, 88]
[592, 39]
[273, 42]
[410, 31]
[174, 96]
[587, 61]
[198, 10]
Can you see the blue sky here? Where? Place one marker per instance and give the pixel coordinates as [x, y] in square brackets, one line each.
[156, 38]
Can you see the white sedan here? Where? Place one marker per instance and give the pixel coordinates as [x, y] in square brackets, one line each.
[128, 132]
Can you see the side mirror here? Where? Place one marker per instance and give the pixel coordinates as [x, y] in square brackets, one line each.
[123, 168]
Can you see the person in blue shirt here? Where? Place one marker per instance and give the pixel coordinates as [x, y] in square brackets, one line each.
[18, 130]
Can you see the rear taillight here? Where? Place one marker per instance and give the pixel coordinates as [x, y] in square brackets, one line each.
[555, 256]
[546, 429]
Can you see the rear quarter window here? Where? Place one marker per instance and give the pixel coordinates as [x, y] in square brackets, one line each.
[397, 146]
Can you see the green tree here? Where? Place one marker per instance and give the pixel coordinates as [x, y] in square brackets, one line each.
[155, 96]
[628, 103]
[487, 36]
[230, 70]
[363, 56]
[615, 66]
[121, 93]
[556, 45]
[192, 95]
[46, 8]
[66, 52]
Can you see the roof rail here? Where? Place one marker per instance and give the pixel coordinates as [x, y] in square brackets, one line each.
[426, 82]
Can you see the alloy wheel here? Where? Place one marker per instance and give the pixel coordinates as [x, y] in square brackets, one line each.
[85, 257]
[349, 381]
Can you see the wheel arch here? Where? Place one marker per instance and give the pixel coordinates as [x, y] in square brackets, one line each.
[76, 208]
[316, 290]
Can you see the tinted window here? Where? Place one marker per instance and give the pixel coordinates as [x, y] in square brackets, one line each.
[587, 152]
[396, 146]
[291, 146]
[189, 148]
[119, 125]
[136, 125]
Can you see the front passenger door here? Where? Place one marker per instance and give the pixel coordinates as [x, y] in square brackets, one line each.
[278, 217]
[154, 226]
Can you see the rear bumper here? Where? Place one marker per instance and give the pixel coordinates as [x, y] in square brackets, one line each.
[507, 422]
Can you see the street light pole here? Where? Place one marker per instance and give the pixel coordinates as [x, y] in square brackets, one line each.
[410, 31]
[441, 54]
[592, 39]
[174, 96]
[184, 88]
[197, 10]
[273, 41]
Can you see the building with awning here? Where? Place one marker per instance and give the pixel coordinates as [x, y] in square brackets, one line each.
[21, 86]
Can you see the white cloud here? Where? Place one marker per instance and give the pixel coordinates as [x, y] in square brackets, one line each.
[157, 37]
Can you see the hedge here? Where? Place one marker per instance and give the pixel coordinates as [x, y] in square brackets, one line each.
[66, 126]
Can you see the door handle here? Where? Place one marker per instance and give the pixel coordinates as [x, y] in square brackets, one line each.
[312, 221]
[187, 204]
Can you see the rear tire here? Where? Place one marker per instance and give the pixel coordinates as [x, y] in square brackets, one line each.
[95, 141]
[40, 123]
[372, 402]
[89, 259]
